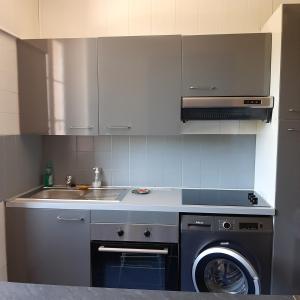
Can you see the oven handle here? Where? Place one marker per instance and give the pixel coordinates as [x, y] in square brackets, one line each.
[164, 251]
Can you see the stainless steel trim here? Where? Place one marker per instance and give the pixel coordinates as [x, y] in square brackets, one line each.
[203, 88]
[218, 102]
[232, 253]
[293, 129]
[164, 251]
[119, 127]
[62, 219]
[134, 232]
[81, 127]
[294, 110]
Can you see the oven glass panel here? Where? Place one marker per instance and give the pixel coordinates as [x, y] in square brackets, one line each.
[134, 270]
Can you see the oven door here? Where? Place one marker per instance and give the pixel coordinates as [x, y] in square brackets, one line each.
[130, 265]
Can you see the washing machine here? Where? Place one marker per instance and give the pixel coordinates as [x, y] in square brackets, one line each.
[226, 254]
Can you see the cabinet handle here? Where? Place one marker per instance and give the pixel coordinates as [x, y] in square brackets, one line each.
[294, 110]
[119, 127]
[81, 127]
[293, 129]
[133, 250]
[203, 88]
[62, 219]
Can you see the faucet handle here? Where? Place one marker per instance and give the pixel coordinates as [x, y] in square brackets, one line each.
[69, 181]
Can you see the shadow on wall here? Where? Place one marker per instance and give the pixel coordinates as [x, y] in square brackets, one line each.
[206, 161]
[20, 164]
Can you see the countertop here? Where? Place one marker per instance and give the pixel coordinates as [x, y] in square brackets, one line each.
[40, 292]
[160, 199]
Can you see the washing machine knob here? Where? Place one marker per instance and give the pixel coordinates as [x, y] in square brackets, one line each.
[226, 225]
[147, 233]
[120, 232]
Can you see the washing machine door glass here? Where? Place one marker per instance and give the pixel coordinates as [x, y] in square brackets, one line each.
[224, 270]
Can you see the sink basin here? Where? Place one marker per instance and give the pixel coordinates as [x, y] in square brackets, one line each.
[58, 194]
[63, 194]
[105, 194]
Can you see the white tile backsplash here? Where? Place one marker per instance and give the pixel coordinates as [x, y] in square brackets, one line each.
[207, 161]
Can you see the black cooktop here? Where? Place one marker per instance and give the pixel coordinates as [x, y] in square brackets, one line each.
[222, 197]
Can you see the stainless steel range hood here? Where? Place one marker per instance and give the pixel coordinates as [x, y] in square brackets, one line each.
[227, 108]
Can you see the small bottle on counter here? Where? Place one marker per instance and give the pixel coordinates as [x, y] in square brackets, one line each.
[97, 181]
[48, 175]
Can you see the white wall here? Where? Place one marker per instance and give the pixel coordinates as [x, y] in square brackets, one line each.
[142, 17]
[20, 17]
[69, 18]
[267, 134]
[9, 115]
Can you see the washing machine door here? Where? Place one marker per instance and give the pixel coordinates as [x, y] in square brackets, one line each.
[224, 270]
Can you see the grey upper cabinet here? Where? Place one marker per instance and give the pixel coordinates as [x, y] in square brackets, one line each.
[139, 85]
[64, 84]
[32, 78]
[290, 63]
[226, 65]
[48, 246]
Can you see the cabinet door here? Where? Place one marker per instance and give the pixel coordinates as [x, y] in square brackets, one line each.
[290, 64]
[139, 85]
[32, 81]
[48, 246]
[286, 259]
[73, 86]
[226, 65]
[58, 86]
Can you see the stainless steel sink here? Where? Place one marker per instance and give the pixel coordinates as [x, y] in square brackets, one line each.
[63, 194]
[58, 194]
[106, 194]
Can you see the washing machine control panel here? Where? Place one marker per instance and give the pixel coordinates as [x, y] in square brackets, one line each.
[238, 224]
[226, 224]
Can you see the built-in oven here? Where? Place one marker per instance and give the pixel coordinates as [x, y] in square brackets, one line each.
[134, 255]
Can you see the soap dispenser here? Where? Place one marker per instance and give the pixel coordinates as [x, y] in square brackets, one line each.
[97, 182]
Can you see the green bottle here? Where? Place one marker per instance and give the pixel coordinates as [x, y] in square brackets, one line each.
[48, 175]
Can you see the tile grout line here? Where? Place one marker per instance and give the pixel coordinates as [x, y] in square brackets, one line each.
[129, 160]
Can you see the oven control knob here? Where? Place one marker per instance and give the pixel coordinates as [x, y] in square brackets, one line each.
[226, 225]
[147, 233]
[120, 232]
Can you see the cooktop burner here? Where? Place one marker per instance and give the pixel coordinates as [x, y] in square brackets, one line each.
[222, 198]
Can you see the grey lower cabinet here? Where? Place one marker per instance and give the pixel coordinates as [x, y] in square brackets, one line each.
[226, 65]
[48, 246]
[58, 86]
[286, 261]
[139, 85]
[290, 63]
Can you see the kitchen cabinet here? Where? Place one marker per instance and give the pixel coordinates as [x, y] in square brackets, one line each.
[290, 64]
[32, 79]
[286, 262]
[67, 70]
[48, 246]
[226, 65]
[139, 85]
